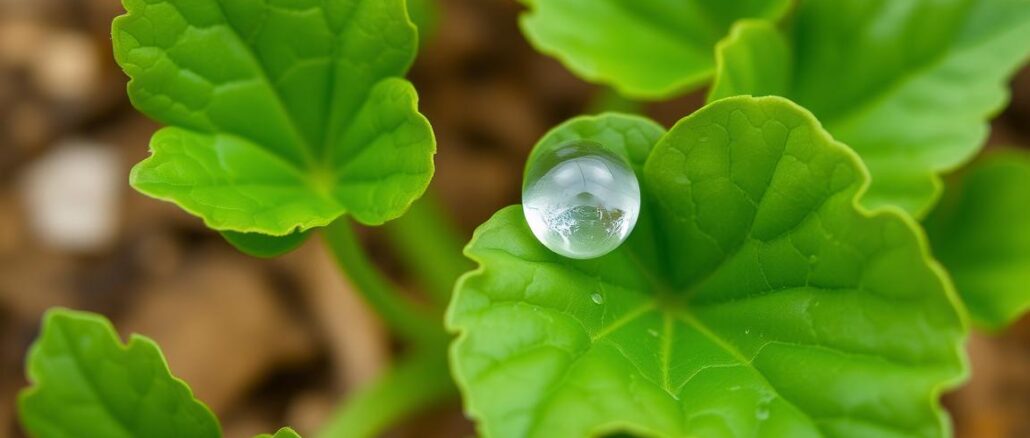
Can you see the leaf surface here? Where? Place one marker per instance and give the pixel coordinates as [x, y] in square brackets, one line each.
[85, 382]
[283, 115]
[755, 298]
[981, 233]
[909, 85]
[644, 48]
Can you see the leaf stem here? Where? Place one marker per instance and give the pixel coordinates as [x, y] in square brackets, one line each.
[427, 243]
[399, 314]
[419, 381]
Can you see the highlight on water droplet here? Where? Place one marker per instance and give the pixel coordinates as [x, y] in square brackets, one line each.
[580, 199]
[597, 299]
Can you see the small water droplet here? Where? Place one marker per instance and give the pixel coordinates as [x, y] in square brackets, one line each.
[747, 331]
[762, 413]
[597, 299]
[812, 259]
[762, 410]
[581, 200]
[652, 332]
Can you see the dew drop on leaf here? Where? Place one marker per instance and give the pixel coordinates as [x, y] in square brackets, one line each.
[762, 410]
[597, 299]
[581, 200]
[762, 413]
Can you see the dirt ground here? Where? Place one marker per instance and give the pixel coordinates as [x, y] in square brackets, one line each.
[268, 343]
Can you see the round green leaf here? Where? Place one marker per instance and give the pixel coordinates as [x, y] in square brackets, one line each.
[643, 48]
[981, 233]
[283, 116]
[757, 299]
[87, 383]
[909, 85]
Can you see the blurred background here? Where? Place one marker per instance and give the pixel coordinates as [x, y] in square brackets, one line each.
[273, 342]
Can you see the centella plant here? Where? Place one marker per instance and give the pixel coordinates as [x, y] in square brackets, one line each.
[785, 261]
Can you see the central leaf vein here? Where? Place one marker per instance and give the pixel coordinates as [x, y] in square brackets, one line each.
[300, 141]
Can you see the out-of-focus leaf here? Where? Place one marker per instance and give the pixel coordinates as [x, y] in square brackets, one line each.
[755, 298]
[909, 85]
[283, 116]
[752, 59]
[425, 14]
[981, 233]
[643, 48]
[86, 383]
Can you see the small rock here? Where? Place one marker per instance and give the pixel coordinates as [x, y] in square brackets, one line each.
[71, 195]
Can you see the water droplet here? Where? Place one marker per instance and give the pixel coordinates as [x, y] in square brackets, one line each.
[597, 299]
[762, 413]
[747, 331]
[762, 410]
[581, 200]
[652, 332]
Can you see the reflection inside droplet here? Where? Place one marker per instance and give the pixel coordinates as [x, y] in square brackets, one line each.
[581, 200]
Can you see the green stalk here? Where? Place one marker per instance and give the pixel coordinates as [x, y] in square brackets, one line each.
[420, 381]
[399, 314]
[427, 243]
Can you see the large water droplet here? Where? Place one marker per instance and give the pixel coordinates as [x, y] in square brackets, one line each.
[580, 200]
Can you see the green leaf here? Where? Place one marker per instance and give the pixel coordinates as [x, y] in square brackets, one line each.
[981, 233]
[909, 85]
[644, 48]
[87, 383]
[283, 115]
[263, 245]
[281, 433]
[767, 302]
